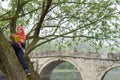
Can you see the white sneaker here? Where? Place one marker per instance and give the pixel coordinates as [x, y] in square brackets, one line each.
[28, 73]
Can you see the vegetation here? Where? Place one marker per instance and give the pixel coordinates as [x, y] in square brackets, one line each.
[64, 21]
[65, 65]
[65, 71]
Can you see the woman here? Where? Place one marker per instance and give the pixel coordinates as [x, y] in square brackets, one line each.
[18, 43]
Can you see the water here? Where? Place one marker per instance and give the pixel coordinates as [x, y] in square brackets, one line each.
[65, 75]
[113, 74]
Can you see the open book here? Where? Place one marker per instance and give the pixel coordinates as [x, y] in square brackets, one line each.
[15, 38]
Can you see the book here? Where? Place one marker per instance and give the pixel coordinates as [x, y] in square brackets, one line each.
[17, 38]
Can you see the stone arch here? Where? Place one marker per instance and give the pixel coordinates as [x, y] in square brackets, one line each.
[51, 63]
[104, 72]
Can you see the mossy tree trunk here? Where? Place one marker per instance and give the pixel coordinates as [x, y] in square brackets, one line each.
[9, 60]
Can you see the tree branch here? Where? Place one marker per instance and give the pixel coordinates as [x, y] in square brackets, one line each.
[37, 30]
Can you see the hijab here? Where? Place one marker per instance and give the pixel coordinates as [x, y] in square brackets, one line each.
[21, 33]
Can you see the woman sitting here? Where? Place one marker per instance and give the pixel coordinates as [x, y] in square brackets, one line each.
[18, 42]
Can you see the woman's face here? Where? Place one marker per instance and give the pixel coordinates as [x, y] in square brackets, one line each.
[19, 30]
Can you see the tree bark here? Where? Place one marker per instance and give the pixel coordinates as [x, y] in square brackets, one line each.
[34, 74]
[9, 60]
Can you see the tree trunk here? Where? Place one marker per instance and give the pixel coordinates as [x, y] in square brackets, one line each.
[34, 74]
[13, 25]
[10, 62]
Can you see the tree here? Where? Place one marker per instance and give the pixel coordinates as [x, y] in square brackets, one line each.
[87, 20]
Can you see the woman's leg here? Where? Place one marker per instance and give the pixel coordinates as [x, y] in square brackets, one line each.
[15, 46]
[22, 60]
[19, 52]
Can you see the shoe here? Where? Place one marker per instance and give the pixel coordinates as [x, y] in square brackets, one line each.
[28, 73]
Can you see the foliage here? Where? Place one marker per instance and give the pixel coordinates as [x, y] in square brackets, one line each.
[65, 65]
[94, 21]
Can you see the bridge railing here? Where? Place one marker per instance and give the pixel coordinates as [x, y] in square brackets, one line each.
[78, 54]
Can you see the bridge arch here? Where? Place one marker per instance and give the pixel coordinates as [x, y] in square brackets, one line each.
[103, 73]
[90, 64]
[50, 64]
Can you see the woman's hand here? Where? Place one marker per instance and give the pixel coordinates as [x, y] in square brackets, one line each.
[21, 40]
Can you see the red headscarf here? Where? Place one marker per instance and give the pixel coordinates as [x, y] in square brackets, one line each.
[22, 34]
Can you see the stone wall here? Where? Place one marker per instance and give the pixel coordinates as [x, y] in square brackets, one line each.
[80, 54]
[91, 65]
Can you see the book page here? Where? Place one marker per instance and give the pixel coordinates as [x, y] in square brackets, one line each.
[17, 38]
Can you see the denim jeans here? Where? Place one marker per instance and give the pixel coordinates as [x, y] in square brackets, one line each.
[20, 54]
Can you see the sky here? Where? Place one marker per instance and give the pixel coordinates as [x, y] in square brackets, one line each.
[4, 4]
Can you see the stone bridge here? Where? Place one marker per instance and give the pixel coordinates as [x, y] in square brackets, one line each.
[91, 65]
